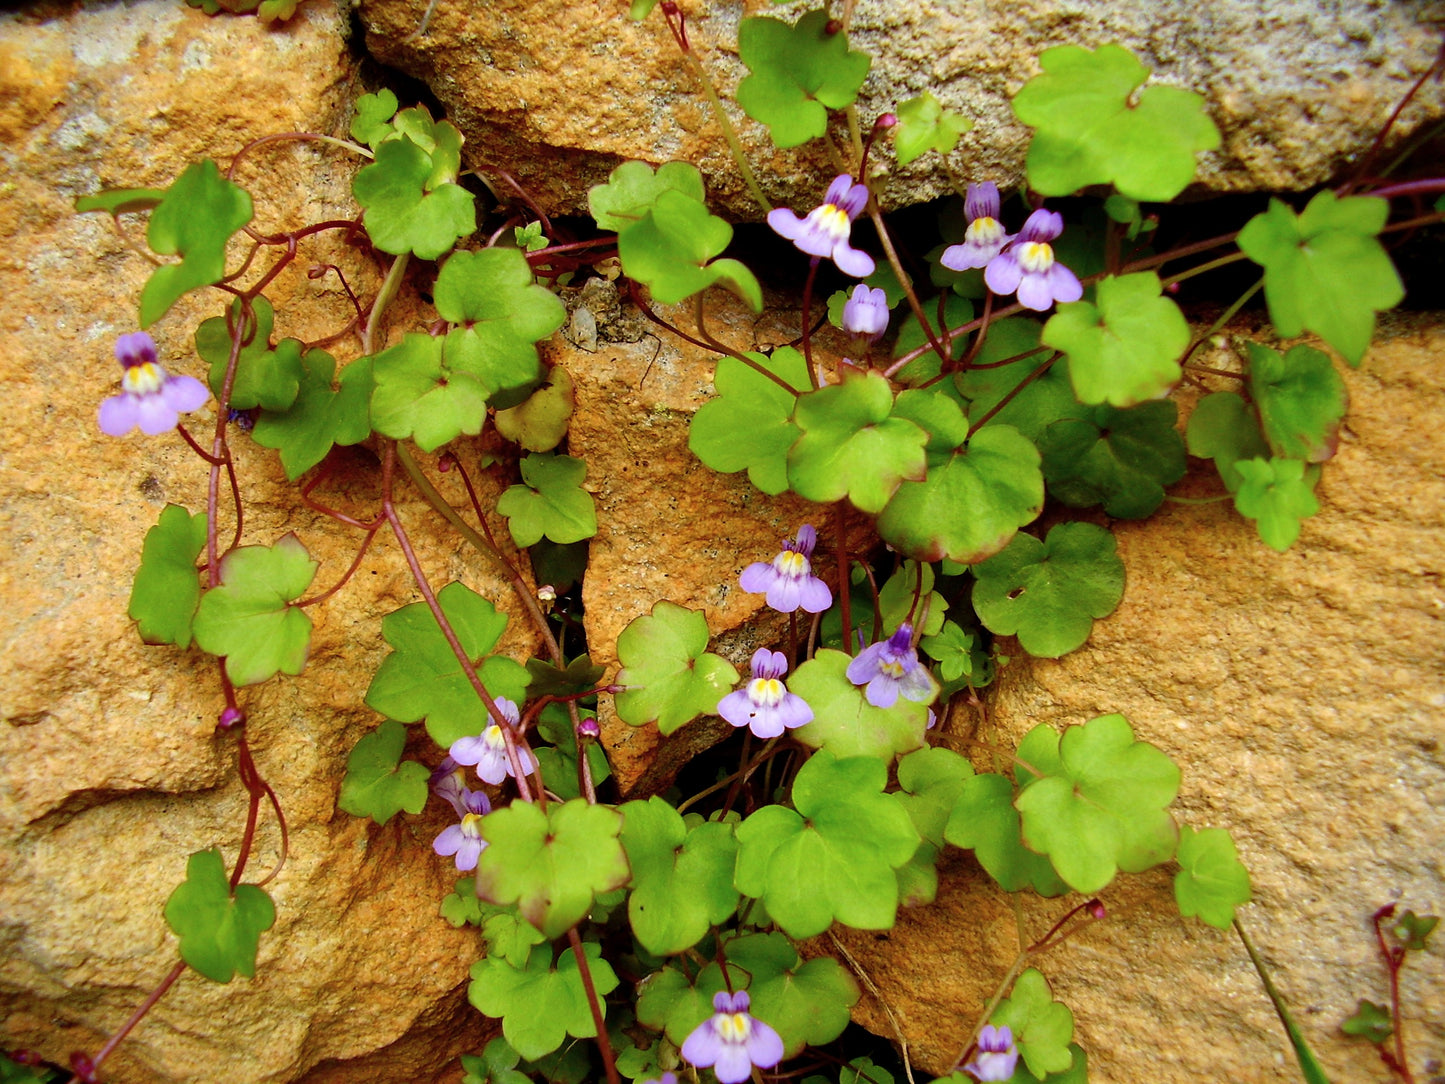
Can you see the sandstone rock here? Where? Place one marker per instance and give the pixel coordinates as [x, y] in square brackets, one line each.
[559, 93]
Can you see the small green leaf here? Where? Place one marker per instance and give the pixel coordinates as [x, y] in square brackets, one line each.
[220, 928]
[748, 402]
[1325, 269]
[1371, 1022]
[372, 122]
[402, 214]
[1277, 494]
[551, 864]
[1211, 881]
[682, 877]
[1049, 593]
[377, 784]
[1224, 429]
[121, 201]
[672, 248]
[552, 502]
[496, 1065]
[167, 585]
[417, 396]
[1041, 1026]
[1100, 806]
[924, 125]
[540, 1005]
[249, 618]
[844, 722]
[932, 780]
[1413, 931]
[540, 423]
[632, 190]
[1125, 348]
[321, 417]
[798, 73]
[1093, 128]
[954, 650]
[672, 678]
[266, 376]
[421, 678]
[896, 602]
[198, 215]
[1121, 459]
[1301, 401]
[985, 821]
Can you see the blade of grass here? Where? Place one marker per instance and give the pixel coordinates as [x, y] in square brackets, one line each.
[1310, 1067]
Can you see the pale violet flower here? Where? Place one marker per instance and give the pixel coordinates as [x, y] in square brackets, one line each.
[449, 783]
[890, 668]
[488, 750]
[149, 396]
[985, 237]
[865, 313]
[731, 1041]
[464, 840]
[788, 580]
[997, 1056]
[765, 704]
[1028, 266]
[826, 231]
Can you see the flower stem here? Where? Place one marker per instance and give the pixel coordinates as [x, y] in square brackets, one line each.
[584, 971]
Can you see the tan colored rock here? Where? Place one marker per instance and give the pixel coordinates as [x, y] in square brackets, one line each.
[559, 93]
[1303, 694]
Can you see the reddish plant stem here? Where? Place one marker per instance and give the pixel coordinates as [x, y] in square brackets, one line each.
[135, 1018]
[1025, 382]
[1393, 959]
[346, 576]
[584, 971]
[1434, 71]
[749, 362]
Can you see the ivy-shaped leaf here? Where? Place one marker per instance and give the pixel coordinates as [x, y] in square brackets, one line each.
[497, 1064]
[167, 585]
[932, 780]
[672, 248]
[748, 402]
[402, 214]
[372, 122]
[220, 928]
[985, 821]
[956, 652]
[200, 212]
[551, 502]
[1041, 1026]
[1277, 494]
[266, 376]
[1370, 1021]
[1124, 348]
[551, 864]
[1077, 1073]
[249, 618]
[924, 125]
[682, 877]
[1211, 881]
[540, 1005]
[321, 417]
[851, 445]
[1092, 128]
[834, 856]
[417, 396]
[1100, 805]
[421, 678]
[798, 73]
[507, 934]
[540, 423]
[896, 600]
[632, 190]
[1325, 269]
[499, 313]
[1224, 429]
[441, 139]
[377, 784]
[844, 723]
[1301, 401]
[1121, 459]
[1049, 593]
[672, 677]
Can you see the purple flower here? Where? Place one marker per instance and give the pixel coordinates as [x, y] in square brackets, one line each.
[766, 705]
[731, 1041]
[149, 396]
[1028, 266]
[997, 1056]
[465, 840]
[825, 232]
[985, 237]
[449, 783]
[891, 667]
[488, 750]
[789, 581]
[865, 314]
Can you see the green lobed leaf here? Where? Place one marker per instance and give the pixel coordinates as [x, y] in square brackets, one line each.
[421, 678]
[417, 396]
[506, 932]
[1121, 459]
[402, 214]
[672, 248]
[932, 779]
[955, 651]
[551, 501]
[844, 722]
[441, 139]
[497, 1064]
[1042, 1027]
[551, 864]
[896, 600]
[1211, 881]
[266, 376]
[672, 678]
[372, 122]
[798, 73]
[1277, 494]
[540, 423]
[682, 876]
[195, 219]
[1091, 127]
[121, 201]
[220, 928]
[924, 125]
[322, 417]
[1049, 593]
[632, 190]
[748, 402]
[1123, 348]
[1413, 931]
[1224, 429]
[1034, 401]
[377, 784]
[835, 856]
[985, 821]
[540, 1005]
[1370, 1021]
[1301, 401]
[1100, 805]
[1325, 269]
[249, 618]
[167, 585]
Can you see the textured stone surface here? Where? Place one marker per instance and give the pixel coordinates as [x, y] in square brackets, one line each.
[559, 93]
[1303, 694]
